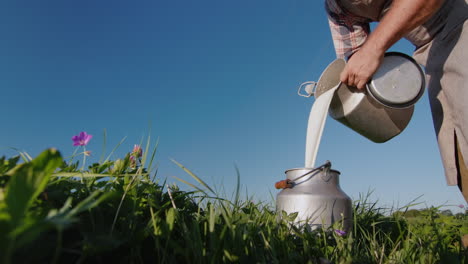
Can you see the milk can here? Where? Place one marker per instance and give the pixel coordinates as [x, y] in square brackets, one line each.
[315, 195]
[382, 110]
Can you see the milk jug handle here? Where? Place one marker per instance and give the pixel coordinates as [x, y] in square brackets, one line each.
[308, 87]
[325, 166]
[290, 183]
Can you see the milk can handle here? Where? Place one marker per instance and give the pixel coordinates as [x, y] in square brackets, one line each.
[326, 165]
[289, 183]
[308, 92]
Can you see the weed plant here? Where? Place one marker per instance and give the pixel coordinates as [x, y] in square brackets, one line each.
[55, 211]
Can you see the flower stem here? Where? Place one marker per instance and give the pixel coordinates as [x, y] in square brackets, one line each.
[84, 158]
[83, 165]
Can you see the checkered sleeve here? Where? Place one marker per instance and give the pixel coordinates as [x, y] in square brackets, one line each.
[348, 31]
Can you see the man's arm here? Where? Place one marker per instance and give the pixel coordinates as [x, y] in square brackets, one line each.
[402, 17]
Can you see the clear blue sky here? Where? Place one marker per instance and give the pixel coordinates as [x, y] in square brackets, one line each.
[214, 80]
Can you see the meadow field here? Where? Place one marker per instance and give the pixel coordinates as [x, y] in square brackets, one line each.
[61, 210]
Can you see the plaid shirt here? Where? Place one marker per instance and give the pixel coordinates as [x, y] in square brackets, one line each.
[348, 31]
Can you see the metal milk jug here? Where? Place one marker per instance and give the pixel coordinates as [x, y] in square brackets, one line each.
[315, 195]
[381, 111]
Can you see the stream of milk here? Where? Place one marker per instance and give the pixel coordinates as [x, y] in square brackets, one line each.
[317, 118]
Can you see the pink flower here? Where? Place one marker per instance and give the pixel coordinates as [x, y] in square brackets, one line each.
[82, 139]
[461, 206]
[137, 151]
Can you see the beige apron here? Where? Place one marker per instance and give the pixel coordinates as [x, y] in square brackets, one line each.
[442, 45]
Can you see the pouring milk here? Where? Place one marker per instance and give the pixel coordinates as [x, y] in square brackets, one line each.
[317, 117]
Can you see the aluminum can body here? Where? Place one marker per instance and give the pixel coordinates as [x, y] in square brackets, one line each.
[317, 199]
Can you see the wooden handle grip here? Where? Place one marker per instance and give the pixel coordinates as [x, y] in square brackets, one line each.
[283, 184]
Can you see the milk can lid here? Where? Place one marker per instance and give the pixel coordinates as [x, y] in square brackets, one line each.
[399, 81]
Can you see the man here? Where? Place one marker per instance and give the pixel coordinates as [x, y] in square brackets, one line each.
[439, 31]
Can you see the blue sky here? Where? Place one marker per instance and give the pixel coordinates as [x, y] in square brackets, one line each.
[214, 80]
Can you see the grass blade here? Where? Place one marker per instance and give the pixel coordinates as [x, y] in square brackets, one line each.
[191, 185]
[115, 148]
[91, 175]
[236, 199]
[194, 176]
[103, 146]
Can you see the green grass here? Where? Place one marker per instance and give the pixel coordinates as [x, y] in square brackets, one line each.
[53, 211]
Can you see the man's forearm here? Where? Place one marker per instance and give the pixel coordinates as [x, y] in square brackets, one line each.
[402, 17]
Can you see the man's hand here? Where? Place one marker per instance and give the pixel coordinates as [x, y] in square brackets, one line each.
[403, 16]
[360, 68]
